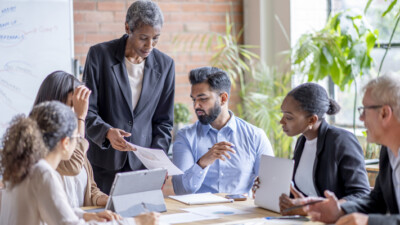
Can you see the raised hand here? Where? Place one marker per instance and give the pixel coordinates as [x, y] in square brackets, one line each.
[80, 101]
[218, 151]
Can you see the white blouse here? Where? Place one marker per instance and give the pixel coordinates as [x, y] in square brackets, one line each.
[40, 199]
[135, 76]
[304, 173]
[75, 188]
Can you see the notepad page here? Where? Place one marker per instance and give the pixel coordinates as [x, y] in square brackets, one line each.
[202, 198]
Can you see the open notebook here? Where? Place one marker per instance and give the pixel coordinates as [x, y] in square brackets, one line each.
[202, 198]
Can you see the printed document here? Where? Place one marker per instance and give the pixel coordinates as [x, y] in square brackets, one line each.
[156, 158]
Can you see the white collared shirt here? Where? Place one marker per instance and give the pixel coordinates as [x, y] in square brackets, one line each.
[395, 164]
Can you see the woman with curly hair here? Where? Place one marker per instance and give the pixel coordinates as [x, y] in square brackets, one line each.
[77, 173]
[34, 192]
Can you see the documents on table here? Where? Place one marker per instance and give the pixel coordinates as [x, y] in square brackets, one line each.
[185, 218]
[155, 158]
[202, 198]
[263, 221]
[218, 210]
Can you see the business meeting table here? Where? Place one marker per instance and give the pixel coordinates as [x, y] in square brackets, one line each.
[254, 216]
[255, 212]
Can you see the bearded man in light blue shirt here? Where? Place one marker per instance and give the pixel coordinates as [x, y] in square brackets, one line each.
[220, 153]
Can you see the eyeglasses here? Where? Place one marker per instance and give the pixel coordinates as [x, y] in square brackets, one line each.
[362, 109]
[77, 136]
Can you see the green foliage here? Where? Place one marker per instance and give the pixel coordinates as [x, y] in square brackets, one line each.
[390, 9]
[228, 53]
[371, 150]
[181, 113]
[340, 50]
[262, 103]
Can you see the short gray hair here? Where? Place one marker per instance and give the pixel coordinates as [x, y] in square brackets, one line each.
[144, 12]
[386, 90]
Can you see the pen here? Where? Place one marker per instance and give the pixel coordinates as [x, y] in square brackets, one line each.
[145, 207]
[300, 206]
[295, 217]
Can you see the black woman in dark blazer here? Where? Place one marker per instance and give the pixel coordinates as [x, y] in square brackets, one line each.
[381, 116]
[326, 157]
[132, 98]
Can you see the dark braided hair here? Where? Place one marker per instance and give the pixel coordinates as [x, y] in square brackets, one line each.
[313, 99]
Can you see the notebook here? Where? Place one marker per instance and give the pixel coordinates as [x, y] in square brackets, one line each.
[201, 198]
[275, 176]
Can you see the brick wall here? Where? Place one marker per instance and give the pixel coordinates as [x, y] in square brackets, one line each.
[98, 20]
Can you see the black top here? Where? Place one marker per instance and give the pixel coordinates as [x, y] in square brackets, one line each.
[339, 163]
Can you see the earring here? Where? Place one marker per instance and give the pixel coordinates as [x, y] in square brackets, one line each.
[310, 127]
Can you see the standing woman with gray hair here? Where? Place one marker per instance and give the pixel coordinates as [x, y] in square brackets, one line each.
[326, 157]
[132, 98]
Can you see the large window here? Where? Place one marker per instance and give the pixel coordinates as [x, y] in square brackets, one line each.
[385, 26]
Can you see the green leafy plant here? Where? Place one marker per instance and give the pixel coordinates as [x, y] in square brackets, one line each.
[341, 50]
[228, 53]
[389, 10]
[181, 113]
[262, 103]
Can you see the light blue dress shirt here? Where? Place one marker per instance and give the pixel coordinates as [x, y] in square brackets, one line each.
[235, 175]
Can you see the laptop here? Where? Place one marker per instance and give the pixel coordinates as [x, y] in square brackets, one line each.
[133, 193]
[275, 176]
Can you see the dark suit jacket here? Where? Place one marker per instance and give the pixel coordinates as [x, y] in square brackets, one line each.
[110, 103]
[339, 164]
[381, 200]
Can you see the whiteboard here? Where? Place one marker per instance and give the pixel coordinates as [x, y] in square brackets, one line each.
[36, 38]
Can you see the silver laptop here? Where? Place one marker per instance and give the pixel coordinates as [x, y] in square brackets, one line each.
[275, 175]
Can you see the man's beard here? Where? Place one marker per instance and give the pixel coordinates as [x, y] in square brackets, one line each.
[211, 115]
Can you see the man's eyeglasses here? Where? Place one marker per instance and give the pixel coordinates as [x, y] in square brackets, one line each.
[362, 109]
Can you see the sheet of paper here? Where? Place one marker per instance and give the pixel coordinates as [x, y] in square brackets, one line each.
[156, 158]
[202, 198]
[218, 210]
[263, 221]
[185, 218]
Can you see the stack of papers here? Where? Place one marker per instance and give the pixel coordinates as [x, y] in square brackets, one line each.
[203, 198]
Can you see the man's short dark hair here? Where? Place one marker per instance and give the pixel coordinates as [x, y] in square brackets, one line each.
[217, 79]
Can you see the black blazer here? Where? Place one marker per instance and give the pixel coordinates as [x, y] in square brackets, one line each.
[381, 200]
[339, 164]
[110, 103]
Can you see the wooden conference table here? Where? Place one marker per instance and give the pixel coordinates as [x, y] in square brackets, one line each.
[248, 205]
[174, 206]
